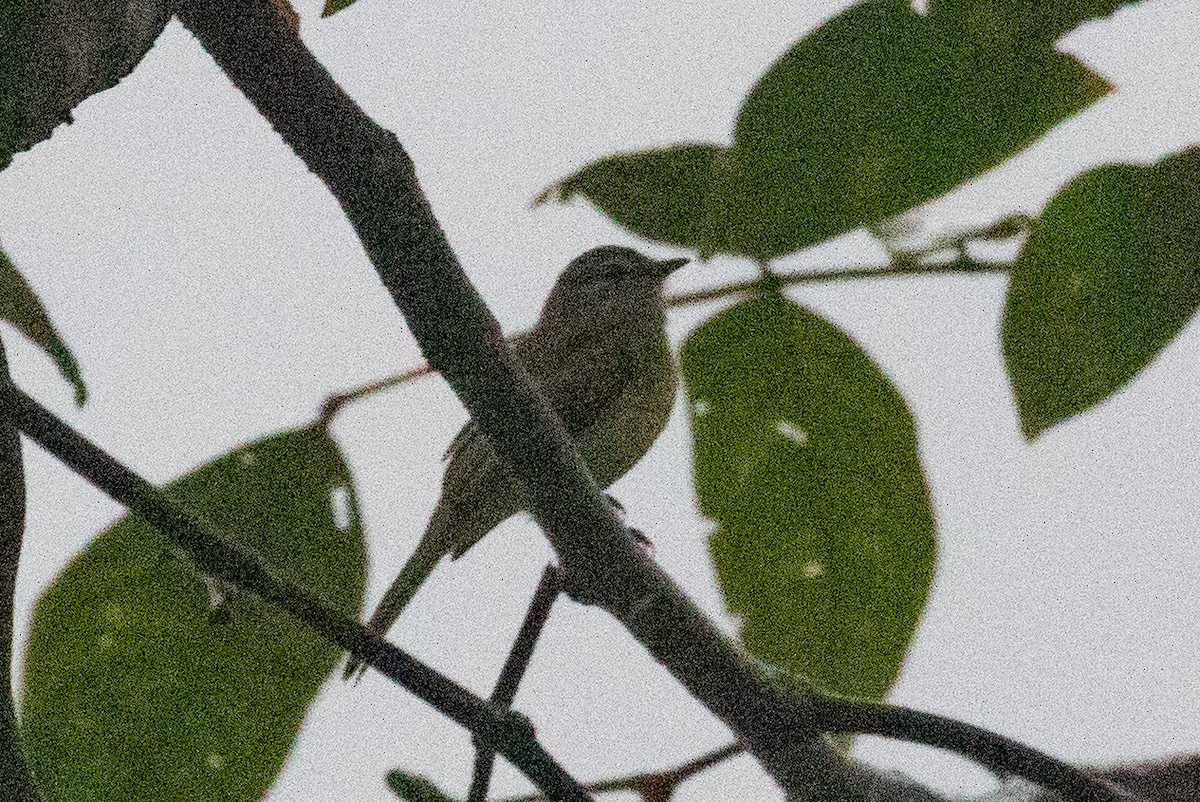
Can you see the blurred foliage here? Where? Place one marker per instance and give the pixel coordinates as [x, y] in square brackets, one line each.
[332, 7]
[54, 54]
[16, 782]
[415, 788]
[136, 688]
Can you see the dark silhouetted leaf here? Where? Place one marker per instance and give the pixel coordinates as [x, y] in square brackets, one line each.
[136, 689]
[878, 110]
[414, 788]
[1109, 275]
[673, 195]
[54, 54]
[19, 306]
[806, 457]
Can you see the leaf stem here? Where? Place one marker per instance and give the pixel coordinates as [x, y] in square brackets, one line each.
[661, 783]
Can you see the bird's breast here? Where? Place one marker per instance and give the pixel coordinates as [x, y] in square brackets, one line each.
[624, 432]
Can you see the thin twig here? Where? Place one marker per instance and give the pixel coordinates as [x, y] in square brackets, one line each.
[902, 267]
[333, 405]
[513, 670]
[224, 558]
[667, 778]
[531, 629]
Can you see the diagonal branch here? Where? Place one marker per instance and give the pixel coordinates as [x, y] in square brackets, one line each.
[508, 733]
[374, 180]
[16, 783]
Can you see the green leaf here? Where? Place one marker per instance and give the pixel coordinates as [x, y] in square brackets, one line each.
[136, 689]
[877, 111]
[673, 195]
[334, 6]
[1109, 275]
[414, 788]
[19, 306]
[806, 457]
[882, 109]
[1029, 21]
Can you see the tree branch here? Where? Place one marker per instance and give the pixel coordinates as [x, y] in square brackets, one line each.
[224, 558]
[989, 749]
[373, 178]
[512, 672]
[1174, 780]
[16, 783]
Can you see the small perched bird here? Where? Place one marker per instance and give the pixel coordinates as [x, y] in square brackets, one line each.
[601, 358]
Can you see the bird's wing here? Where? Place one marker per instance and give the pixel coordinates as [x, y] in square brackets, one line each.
[556, 372]
[467, 436]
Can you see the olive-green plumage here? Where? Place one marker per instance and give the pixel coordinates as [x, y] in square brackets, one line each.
[601, 358]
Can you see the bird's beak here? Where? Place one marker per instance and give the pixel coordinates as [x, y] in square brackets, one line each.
[668, 266]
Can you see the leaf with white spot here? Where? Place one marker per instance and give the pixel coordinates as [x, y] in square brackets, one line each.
[792, 432]
[1108, 277]
[137, 689]
[807, 459]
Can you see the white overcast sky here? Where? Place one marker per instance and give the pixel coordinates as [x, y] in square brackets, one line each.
[213, 293]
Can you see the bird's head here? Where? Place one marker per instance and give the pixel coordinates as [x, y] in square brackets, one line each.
[611, 278]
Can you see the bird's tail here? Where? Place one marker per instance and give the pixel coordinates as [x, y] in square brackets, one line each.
[418, 568]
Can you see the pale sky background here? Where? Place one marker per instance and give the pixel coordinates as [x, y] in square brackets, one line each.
[213, 293]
